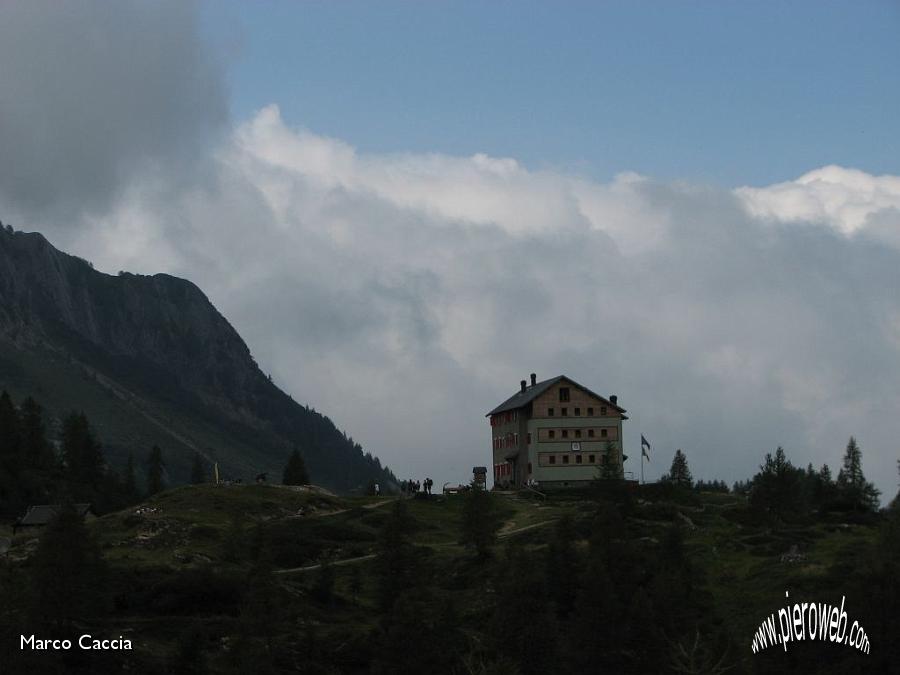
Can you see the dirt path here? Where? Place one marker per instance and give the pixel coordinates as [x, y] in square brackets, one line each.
[372, 505]
[358, 559]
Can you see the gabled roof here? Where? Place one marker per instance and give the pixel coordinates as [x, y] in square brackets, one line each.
[44, 513]
[523, 398]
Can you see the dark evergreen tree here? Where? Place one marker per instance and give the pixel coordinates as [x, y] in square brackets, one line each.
[190, 658]
[295, 472]
[524, 628]
[895, 505]
[854, 491]
[130, 480]
[355, 584]
[155, 469]
[198, 471]
[81, 453]
[36, 450]
[67, 574]
[420, 635]
[10, 436]
[592, 649]
[323, 585]
[562, 567]
[679, 473]
[397, 564]
[255, 648]
[480, 522]
[778, 488]
[644, 645]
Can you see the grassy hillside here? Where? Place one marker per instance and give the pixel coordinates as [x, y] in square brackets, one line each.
[198, 560]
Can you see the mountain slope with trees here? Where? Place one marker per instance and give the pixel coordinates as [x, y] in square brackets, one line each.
[151, 362]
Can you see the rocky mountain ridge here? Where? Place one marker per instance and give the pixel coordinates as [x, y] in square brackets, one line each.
[154, 350]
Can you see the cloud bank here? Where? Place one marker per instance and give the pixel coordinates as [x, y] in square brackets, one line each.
[405, 295]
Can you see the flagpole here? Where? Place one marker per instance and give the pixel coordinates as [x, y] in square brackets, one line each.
[642, 465]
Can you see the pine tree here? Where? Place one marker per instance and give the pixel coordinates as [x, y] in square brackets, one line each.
[397, 564]
[295, 472]
[480, 522]
[198, 473]
[10, 435]
[155, 468]
[36, 449]
[895, 505]
[67, 573]
[778, 487]
[81, 451]
[523, 627]
[854, 490]
[562, 567]
[679, 473]
[130, 481]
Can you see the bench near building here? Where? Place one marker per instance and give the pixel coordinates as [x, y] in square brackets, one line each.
[557, 433]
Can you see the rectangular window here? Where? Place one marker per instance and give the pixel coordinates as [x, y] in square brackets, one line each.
[603, 433]
[516, 441]
[552, 459]
[549, 412]
[602, 410]
[590, 433]
[591, 458]
[564, 412]
[565, 433]
[563, 394]
[577, 412]
[590, 412]
[578, 433]
[528, 438]
[565, 459]
[529, 468]
[551, 434]
[578, 459]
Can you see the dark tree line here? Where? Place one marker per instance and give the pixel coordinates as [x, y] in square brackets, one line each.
[36, 470]
[789, 493]
[786, 492]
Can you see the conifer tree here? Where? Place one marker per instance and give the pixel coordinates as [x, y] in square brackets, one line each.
[81, 451]
[36, 449]
[10, 435]
[130, 480]
[562, 567]
[855, 491]
[679, 473]
[198, 473]
[397, 565]
[480, 522]
[155, 468]
[778, 487]
[67, 573]
[295, 472]
[523, 626]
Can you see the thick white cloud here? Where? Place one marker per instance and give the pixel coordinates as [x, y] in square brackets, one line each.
[405, 295]
[847, 199]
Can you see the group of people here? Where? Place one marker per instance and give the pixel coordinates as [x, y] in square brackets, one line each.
[411, 487]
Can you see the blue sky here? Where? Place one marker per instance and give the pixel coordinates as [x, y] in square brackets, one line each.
[726, 93]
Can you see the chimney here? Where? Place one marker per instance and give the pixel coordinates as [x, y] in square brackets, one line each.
[523, 386]
[614, 399]
[533, 379]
